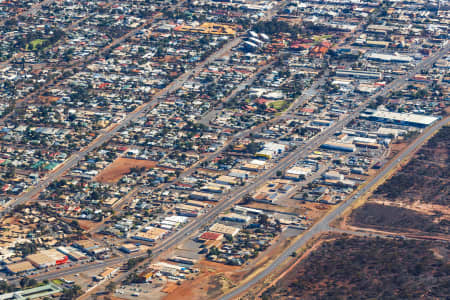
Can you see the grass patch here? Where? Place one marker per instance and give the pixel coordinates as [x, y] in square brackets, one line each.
[278, 105]
[34, 44]
[319, 38]
[57, 281]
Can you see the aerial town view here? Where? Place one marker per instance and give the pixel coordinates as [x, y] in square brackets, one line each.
[224, 149]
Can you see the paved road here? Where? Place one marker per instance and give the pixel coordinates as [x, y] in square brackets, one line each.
[247, 82]
[236, 195]
[298, 154]
[31, 11]
[75, 158]
[324, 224]
[82, 268]
[105, 137]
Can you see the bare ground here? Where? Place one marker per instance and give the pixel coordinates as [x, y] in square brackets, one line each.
[120, 167]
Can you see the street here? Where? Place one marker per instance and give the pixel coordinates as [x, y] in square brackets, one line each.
[323, 225]
[235, 196]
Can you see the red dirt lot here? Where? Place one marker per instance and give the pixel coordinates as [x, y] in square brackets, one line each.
[121, 166]
[212, 280]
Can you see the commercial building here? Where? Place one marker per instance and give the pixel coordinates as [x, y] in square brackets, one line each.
[270, 150]
[152, 234]
[359, 74]
[108, 273]
[366, 142]
[72, 253]
[41, 292]
[187, 210]
[390, 58]
[254, 165]
[215, 188]
[333, 175]
[129, 248]
[202, 196]
[87, 246]
[403, 118]
[339, 146]
[234, 217]
[224, 229]
[211, 236]
[183, 260]
[297, 173]
[20, 267]
[47, 258]
[224, 179]
[381, 44]
[390, 132]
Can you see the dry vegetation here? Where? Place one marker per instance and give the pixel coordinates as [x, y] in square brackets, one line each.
[417, 198]
[426, 177]
[398, 219]
[368, 268]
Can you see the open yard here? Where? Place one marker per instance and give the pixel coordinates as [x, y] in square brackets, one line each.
[33, 45]
[278, 105]
[121, 167]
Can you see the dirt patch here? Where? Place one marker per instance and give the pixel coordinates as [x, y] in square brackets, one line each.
[48, 99]
[274, 208]
[120, 167]
[86, 224]
[208, 284]
[420, 207]
[170, 287]
[217, 285]
[397, 147]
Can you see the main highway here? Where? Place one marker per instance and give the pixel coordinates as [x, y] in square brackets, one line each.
[105, 137]
[319, 227]
[323, 225]
[235, 196]
[75, 158]
[294, 156]
[230, 199]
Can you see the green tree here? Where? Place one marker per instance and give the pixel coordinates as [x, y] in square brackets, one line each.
[263, 220]
[111, 286]
[71, 293]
